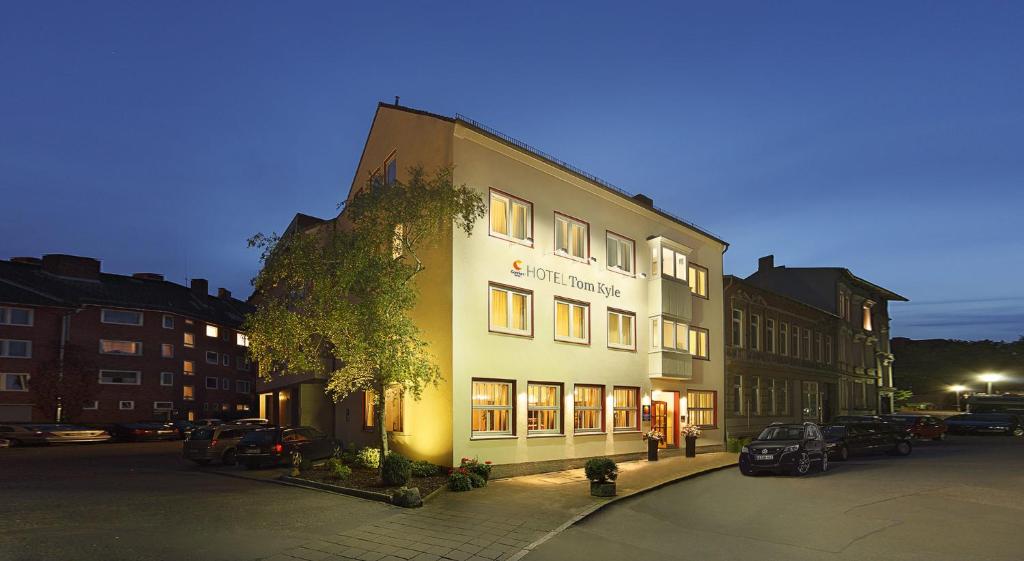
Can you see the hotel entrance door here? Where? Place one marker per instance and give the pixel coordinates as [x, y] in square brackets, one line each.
[661, 420]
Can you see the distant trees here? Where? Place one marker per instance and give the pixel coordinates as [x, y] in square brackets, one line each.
[930, 366]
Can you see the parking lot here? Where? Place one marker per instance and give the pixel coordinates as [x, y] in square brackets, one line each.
[141, 501]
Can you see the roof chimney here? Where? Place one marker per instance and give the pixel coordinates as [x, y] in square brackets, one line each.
[27, 260]
[200, 287]
[223, 294]
[148, 276]
[766, 263]
[644, 200]
[71, 266]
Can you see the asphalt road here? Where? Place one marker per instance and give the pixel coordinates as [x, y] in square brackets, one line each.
[958, 500]
[143, 502]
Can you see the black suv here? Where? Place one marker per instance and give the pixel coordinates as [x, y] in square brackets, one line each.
[289, 445]
[789, 448]
[865, 437]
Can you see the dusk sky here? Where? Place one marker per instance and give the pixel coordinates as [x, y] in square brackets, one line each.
[884, 137]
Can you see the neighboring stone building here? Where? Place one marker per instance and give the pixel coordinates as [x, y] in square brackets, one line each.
[806, 344]
[575, 317]
[153, 349]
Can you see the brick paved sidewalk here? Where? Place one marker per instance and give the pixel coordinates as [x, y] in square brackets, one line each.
[499, 522]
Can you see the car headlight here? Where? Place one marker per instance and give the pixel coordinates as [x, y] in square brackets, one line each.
[830, 445]
[791, 448]
[745, 450]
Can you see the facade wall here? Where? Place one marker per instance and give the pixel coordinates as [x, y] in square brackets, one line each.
[44, 333]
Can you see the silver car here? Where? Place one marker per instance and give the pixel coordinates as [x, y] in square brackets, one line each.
[215, 444]
[50, 433]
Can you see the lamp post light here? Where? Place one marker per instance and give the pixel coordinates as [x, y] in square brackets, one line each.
[958, 388]
[990, 378]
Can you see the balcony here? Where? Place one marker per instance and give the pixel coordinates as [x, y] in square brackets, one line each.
[673, 365]
[670, 297]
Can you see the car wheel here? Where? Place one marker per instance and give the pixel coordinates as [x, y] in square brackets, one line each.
[229, 458]
[902, 448]
[202, 462]
[336, 451]
[295, 459]
[1017, 431]
[803, 465]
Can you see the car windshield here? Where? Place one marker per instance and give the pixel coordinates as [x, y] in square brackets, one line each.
[202, 434]
[782, 433]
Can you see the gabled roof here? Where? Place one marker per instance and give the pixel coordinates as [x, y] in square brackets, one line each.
[29, 284]
[888, 294]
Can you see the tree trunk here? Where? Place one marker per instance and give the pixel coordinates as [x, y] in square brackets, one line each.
[379, 414]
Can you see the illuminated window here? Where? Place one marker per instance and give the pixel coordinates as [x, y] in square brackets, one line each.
[121, 317]
[212, 331]
[167, 350]
[866, 310]
[190, 340]
[701, 408]
[121, 377]
[754, 339]
[511, 218]
[621, 330]
[16, 316]
[188, 393]
[167, 378]
[625, 414]
[188, 367]
[369, 410]
[13, 382]
[737, 328]
[13, 348]
[698, 278]
[493, 408]
[620, 253]
[572, 320]
[572, 238]
[588, 408]
[511, 310]
[699, 343]
[544, 408]
[133, 348]
[673, 263]
[241, 339]
[668, 334]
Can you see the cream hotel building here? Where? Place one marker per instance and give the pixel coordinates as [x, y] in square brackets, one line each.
[575, 317]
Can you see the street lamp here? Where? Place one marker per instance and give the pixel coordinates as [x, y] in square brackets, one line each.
[958, 388]
[989, 378]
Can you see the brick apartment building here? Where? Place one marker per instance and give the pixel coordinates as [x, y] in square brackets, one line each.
[87, 346]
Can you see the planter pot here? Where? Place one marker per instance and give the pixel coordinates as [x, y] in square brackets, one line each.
[691, 446]
[652, 450]
[606, 489]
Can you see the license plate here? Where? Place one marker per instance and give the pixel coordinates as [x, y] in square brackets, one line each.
[250, 451]
[764, 457]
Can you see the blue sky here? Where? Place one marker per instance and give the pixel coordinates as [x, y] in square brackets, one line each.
[884, 137]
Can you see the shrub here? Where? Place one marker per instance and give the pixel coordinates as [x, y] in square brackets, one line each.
[476, 480]
[601, 470]
[337, 470]
[396, 470]
[735, 443]
[458, 480]
[368, 458]
[475, 466]
[421, 468]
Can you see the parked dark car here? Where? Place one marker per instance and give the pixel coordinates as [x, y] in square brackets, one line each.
[985, 423]
[853, 419]
[183, 427]
[861, 438]
[137, 432]
[288, 445]
[788, 448]
[220, 443]
[17, 434]
[921, 427]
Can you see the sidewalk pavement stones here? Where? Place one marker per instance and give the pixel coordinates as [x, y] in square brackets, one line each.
[500, 522]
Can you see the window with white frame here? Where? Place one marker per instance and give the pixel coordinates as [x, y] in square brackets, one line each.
[754, 338]
[212, 382]
[121, 317]
[14, 382]
[621, 329]
[511, 218]
[698, 279]
[93, 405]
[737, 328]
[167, 378]
[572, 321]
[626, 408]
[241, 339]
[511, 310]
[620, 253]
[225, 383]
[738, 399]
[212, 331]
[131, 348]
[168, 321]
[242, 363]
[669, 335]
[572, 237]
[189, 339]
[699, 343]
[225, 359]
[167, 350]
[543, 408]
[15, 348]
[391, 169]
[783, 338]
[121, 377]
[701, 408]
[668, 262]
[755, 391]
[16, 316]
[163, 405]
[769, 335]
[212, 357]
[126, 405]
[243, 386]
[493, 408]
[588, 408]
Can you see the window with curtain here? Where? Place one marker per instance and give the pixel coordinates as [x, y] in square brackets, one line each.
[627, 405]
[620, 329]
[369, 409]
[510, 310]
[588, 408]
[571, 321]
[544, 408]
[511, 218]
[698, 278]
[109, 347]
[699, 343]
[668, 334]
[571, 237]
[701, 408]
[492, 408]
[673, 263]
[620, 253]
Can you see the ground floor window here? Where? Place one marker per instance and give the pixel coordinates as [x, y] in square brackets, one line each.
[588, 403]
[544, 408]
[737, 395]
[14, 382]
[701, 408]
[393, 409]
[810, 400]
[783, 389]
[627, 405]
[493, 407]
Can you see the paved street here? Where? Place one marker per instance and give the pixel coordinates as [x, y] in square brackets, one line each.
[958, 500]
[142, 502]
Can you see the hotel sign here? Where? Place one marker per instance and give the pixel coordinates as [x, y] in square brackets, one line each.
[521, 270]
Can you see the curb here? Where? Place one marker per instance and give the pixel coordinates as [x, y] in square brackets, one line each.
[336, 489]
[596, 507]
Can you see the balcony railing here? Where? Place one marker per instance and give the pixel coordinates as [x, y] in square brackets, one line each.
[670, 364]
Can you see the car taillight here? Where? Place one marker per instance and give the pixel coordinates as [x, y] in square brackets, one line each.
[278, 448]
[138, 431]
[213, 443]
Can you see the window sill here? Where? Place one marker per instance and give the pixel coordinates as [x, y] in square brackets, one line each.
[621, 272]
[511, 333]
[630, 431]
[495, 437]
[626, 349]
[572, 342]
[560, 435]
[504, 238]
[601, 433]
[583, 260]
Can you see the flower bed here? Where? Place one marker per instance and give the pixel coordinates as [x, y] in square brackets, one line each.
[369, 480]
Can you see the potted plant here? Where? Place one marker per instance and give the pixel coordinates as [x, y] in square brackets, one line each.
[602, 473]
[653, 438]
[690, 434]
